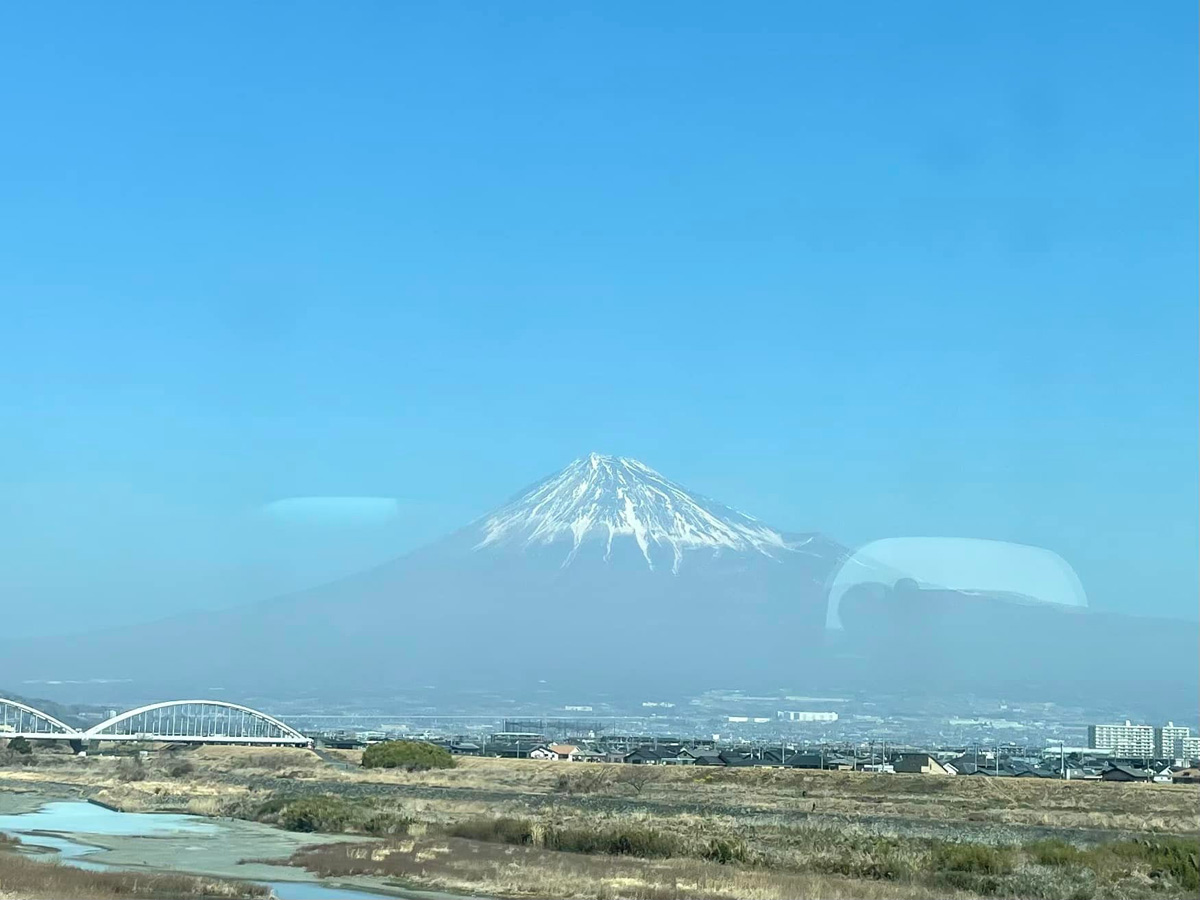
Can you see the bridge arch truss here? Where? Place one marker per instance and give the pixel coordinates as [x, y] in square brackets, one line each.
[176, 721]
[18, 719]
[196, 721]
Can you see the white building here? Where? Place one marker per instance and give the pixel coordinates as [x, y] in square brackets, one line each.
[1190, 749]
[791, 715]
[1122, 740]
[1168, 740]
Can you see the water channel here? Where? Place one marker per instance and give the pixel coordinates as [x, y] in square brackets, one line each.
[93, 837]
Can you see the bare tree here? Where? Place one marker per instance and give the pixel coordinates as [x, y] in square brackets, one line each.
[636, 777]
[585, 779]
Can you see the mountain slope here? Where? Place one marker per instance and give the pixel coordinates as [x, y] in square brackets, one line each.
[607, 497]
[606, 566]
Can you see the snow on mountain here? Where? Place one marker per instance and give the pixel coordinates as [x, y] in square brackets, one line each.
[607, 497]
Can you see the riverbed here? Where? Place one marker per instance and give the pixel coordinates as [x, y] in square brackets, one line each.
[90, 836]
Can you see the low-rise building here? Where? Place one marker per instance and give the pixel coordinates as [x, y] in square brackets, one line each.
[921, 764]
[795, 715]
[643, 756]
[1126, 773]
[819, 761]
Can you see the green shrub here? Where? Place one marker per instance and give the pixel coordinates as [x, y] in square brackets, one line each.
[383, 823]
[496, 831]
[976, 859]
[616, 841]
[179, 768]
[647, 843]
[1054, 852]
[329, 813]
[131, 769]
[311, 814]
[410, 755]
[269, 807]
[20, 745]
[1177, 857]
[877, 858]
[720, 850]
[970, 882]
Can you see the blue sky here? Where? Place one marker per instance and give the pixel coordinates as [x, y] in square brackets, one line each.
[878, 270]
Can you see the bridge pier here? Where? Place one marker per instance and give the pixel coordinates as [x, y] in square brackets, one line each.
[76, 745]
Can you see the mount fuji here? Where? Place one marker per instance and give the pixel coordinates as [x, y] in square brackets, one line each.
[607, 498]
[607, 578]
[606, 564]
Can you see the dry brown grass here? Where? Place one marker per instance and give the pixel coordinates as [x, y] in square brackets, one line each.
[24, 877]
[222, 774]
[455, 864]
[807, 833]
[1043, 802]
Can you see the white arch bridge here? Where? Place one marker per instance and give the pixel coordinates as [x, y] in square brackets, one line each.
[177, 721]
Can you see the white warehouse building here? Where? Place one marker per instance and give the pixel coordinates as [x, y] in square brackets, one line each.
[790, 715]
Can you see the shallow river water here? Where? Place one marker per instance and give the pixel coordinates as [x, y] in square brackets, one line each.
[90, 836]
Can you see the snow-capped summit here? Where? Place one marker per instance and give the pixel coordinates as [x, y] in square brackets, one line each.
[608, 497]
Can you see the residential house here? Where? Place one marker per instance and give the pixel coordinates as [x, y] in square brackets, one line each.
[819, 761]
[771, 756]
[1186, 776]
[1125, 773]
[693, 756]
[542, 751]
[565, 751]
[643, 756]
[732, 758]
[585, 755]
[340, 742]
[727, 758]
[921, 764]
[1025, 770]
[970, 763]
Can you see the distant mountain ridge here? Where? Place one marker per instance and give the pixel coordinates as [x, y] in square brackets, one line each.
[606, 559]
[608, 578]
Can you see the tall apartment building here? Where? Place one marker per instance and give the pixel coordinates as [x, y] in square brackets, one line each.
[1168, 740]
[1122, 740]
[1190, 749]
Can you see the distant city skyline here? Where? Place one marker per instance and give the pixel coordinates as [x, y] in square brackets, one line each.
[921, 271]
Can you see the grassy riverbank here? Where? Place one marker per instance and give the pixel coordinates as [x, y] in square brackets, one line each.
[834, 868]
[24, 877]
[524, 828]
